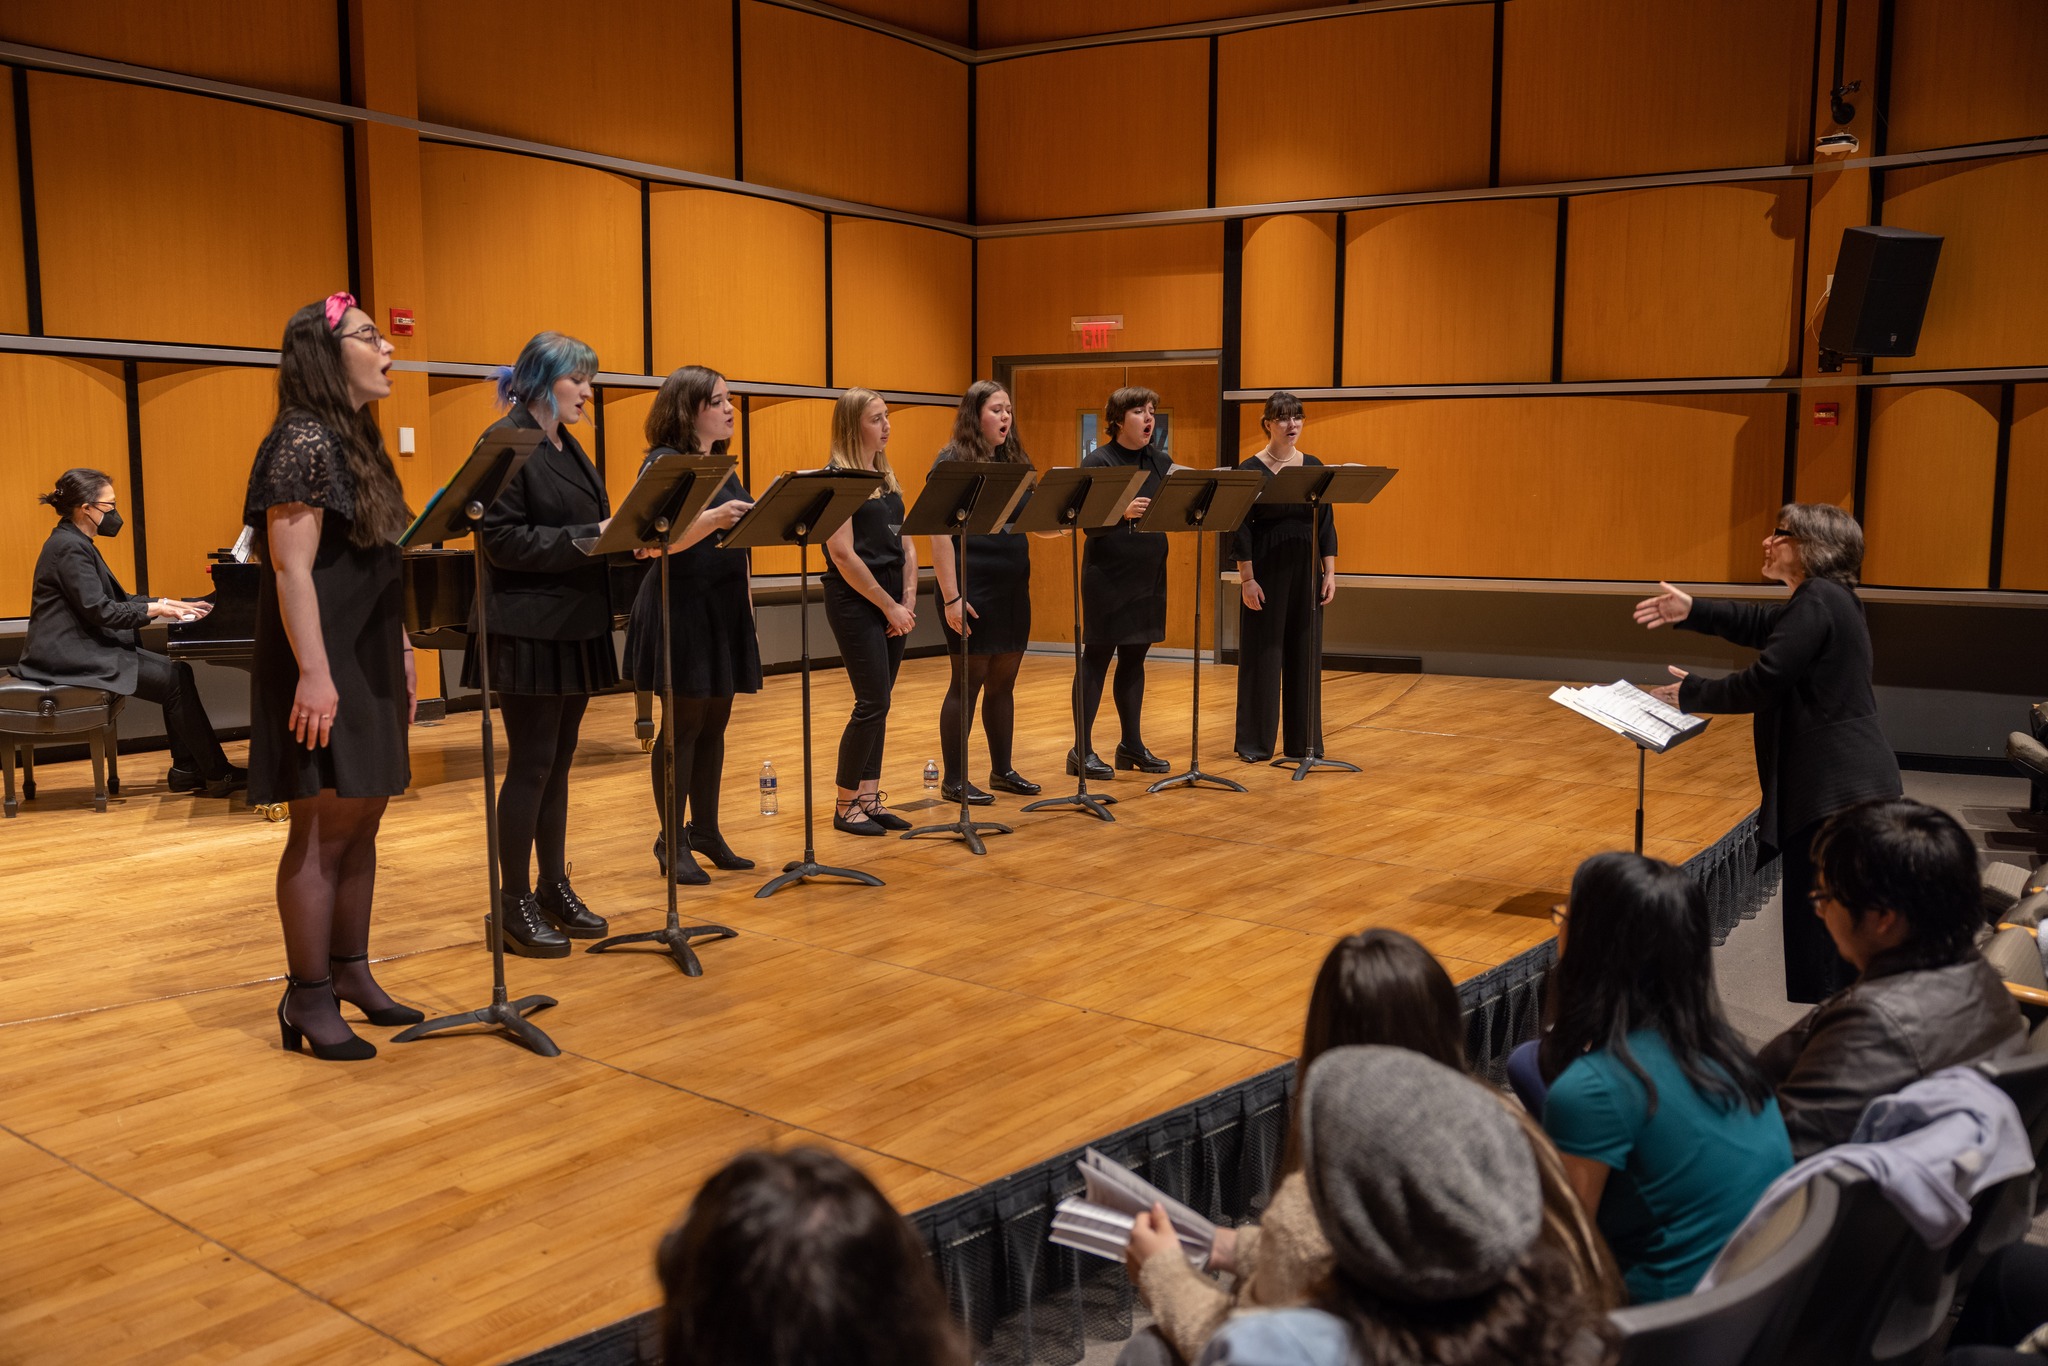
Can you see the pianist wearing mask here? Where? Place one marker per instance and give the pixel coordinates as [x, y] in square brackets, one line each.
[82, 631]
[331, 687]
[551, 637]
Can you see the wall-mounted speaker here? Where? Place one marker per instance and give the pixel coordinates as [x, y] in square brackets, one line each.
[1882, 279]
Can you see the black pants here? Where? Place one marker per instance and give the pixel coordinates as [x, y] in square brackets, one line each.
[1814, 971]
[1276, 660]
[533, 803]
[872, 657]
[1129, 692]
[170, 685]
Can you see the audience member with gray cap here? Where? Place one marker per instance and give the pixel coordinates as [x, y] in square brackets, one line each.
[1428, 1193]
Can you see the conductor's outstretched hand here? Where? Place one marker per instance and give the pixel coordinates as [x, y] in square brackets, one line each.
[1668, 608]
[1668, 693]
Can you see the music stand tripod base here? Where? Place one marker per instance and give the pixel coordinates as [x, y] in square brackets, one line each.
[799, 869]
[506, 1015]
[969, 831]
[1194, 777]
[673, 938]
[1301, 767]
[1091, 802]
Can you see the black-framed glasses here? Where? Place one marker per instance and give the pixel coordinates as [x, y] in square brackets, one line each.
[1784, 533]
[367, 334]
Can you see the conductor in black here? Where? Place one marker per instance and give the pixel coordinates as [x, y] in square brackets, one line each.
[1123, 590]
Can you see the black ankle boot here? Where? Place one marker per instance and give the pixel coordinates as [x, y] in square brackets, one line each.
[351, 1049]
[384, 1015]
[712, 845]
[527, 932]
[559, 903]
[685, 872]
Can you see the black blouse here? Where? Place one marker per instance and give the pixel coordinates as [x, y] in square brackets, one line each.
[1279, 531]
[878, 541]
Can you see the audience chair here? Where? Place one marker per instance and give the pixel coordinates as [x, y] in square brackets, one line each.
[1745, 1318]
[2025, 1080]
[39, 713]
[2029, 755]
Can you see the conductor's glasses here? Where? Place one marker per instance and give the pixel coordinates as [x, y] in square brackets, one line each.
[1781, 533]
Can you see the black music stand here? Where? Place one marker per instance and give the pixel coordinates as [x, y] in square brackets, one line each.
[1072, 499]
[670, 492]
[800, 507]
[457, 511]
[1201, 501]
[965, 498]
[1317, 485]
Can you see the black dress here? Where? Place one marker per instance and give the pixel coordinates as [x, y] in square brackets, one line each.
[998, 589]
[550, 604]
[362, 625]
[1276, 645]
[716, 651]
[1123, 572]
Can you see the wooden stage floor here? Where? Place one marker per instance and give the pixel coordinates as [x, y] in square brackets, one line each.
[173, 1187]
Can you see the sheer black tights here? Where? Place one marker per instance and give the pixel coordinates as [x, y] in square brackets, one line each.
[533, 804]
[993, 680]
[325, 883]
[700, 762]
[1128, 690]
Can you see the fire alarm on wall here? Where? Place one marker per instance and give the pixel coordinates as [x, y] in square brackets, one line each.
[401, 322]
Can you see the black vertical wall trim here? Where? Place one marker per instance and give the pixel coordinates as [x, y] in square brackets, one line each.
[647, 277]
[828, 301]
[350, 203]
[2005, 404]
[1881, 98]
[1863, 393]
[973, 308]
[973, 23]
[24, 165]
[1789, 481]
[1796, 364]
[1564, 220]
[747, 440]
[137, 499]
[597, 431]
[1876, 195]
[347, 72]
[1215, 63]
[1337, 306]
[1230, 366]
[973, 137]
[738, 163]
[1500, 38]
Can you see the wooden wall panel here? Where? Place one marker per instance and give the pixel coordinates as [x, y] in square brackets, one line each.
[1990, 299]
[1099, 130]
[13, 277]
[1289, 300]
[645, 79]
[1638, 488]
[902, 307]
[200, 429]
[54, 414]
[739, 285]
[1367, 104]
[517, 245]
[1589, 88]
[1927, 493]
[458, 410]
[1966, 73]
[625, 438]
[170, 217]
[917, 433]
[2026, 491]
[1004, 22]
[1683, 281]
[1450, 293]
[836, 110]
[1167, 283]
[787, 434]
[292, 46]
[942, 19]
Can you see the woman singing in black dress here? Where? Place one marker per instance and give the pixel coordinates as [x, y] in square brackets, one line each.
[551, 638]
[1276, 650]
[331, 686]
[82, 628]
[1123, 590]
[995, 617]
[871, 601]
[711, 625]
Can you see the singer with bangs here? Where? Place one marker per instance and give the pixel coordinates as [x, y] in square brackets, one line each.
[871, 601]
[551, 637]
[331, 688]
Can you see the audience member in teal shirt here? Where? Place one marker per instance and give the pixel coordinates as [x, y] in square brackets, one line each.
[1668, 1130]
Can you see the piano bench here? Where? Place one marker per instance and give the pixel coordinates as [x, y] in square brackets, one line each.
[43, 713]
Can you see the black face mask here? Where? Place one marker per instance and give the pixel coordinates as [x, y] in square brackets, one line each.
[110, 523]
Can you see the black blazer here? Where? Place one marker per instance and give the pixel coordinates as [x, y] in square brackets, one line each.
[1818, 744]
[542, 586]
[81, 621]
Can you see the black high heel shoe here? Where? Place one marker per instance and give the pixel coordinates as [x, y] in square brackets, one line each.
[712, 845]
[351, 1049]
[871, 802]
[389, 1015]
[851, 818]
[686, 873]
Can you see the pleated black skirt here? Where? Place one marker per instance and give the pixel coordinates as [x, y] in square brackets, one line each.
[545, 668]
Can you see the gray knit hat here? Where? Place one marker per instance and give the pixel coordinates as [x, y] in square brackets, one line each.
[1424, 1183]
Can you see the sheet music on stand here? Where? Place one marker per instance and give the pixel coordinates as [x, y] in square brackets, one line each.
[1100, 1220]
[1627, 710]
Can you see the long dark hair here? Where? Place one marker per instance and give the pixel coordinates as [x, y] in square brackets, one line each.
[75, 488]
[672, 421]
[967, 442]
[786, 1259]
[1378, 987]
[1637, 956]
[312, 382]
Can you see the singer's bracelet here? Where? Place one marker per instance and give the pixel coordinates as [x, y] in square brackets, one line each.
[950, 601]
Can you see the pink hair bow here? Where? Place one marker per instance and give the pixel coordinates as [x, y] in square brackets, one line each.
[338, 303]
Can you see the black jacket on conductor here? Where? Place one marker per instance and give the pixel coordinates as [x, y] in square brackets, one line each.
[542, 586]
[82, 623]
[1819, 747]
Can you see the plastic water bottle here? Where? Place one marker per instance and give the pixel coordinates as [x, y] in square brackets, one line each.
[931, 775]
[769, 802]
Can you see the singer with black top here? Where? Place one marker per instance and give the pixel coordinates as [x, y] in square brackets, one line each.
[1278, 589]
[994, 620]
[711, 629]
[871, 601]
[550, 639]
[1123, 590]
[82, 628]
[332, 686]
